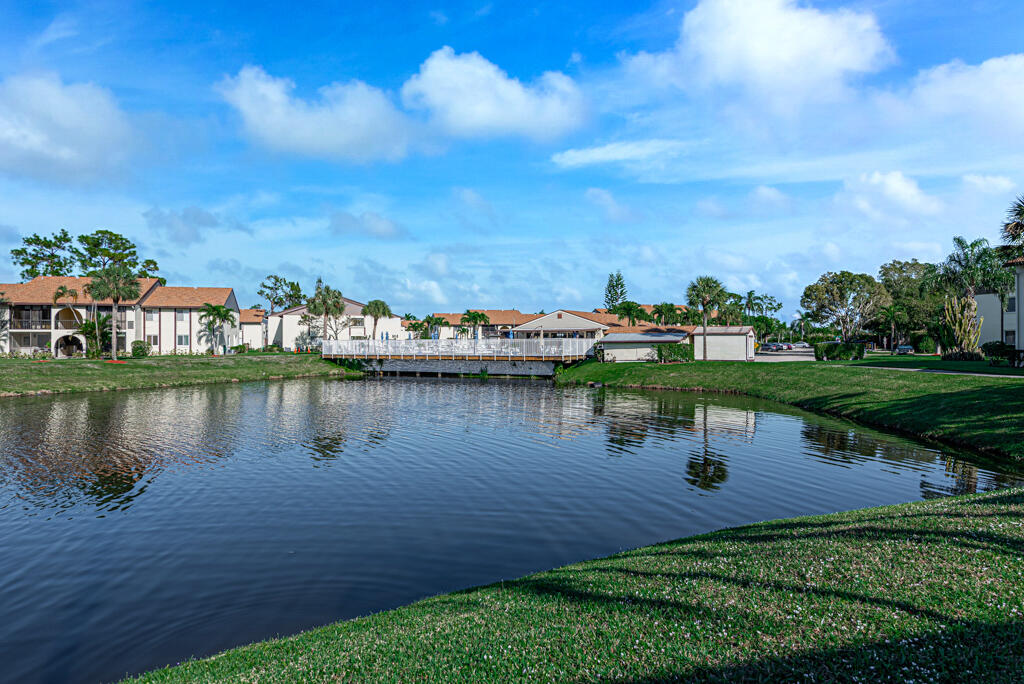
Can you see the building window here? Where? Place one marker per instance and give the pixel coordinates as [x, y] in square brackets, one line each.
[153, 340]
[130, 324]
[151, 316]
[1011, 305]
[182, 340]
[1011, 337]
[180, 315]
[356, 322]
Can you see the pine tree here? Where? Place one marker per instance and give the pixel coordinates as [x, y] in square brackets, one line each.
[615, 290]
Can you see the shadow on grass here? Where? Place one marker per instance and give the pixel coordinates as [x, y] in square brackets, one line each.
[976, 652]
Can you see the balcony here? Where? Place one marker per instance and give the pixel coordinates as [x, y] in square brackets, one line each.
[29, 324]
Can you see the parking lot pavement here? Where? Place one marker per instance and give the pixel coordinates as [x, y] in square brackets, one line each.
[787, 355]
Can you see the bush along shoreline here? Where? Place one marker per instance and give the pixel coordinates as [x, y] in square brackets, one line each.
[925, 591]
[983, 414]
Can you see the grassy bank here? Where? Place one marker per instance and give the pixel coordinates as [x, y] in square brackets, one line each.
[984, 414]
[934, 363]
[927, 591]
[19, 376]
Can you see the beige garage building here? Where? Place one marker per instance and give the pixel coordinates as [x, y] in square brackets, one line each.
[725, 343]
[637, 346]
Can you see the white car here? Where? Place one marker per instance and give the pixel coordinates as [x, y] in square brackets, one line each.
[801, 345]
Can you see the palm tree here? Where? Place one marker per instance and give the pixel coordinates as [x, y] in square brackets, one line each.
[326, 301]
[98, 328]
[705, 292]
[750, 302]
[215, 317]
[65, 292]
[1013, 229]
[966, 269]
[431, 322]
[409, 317]
[377, 308]
[665, 313]
[631, 311]
[475, 319]
[462, 331]
[116, 282]
[890, 314]
[803, 321]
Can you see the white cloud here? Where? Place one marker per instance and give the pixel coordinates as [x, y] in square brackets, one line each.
[987, 96]
[888, 196]
[350, 121]
[190, 225]
[468, 96]
[438, 17]
[627, 152]
[56, 131]
[781, 51]
[767, 199]
[60, 28]
[989, 184]
[613, 210]
[368, 223]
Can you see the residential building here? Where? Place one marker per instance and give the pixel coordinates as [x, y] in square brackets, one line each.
[566, 323]
[287, 330]
[1018, 266]
[36, 323]
[171, 320]
[990, 312]
[250, 323]
[500, 323]
[639, 346]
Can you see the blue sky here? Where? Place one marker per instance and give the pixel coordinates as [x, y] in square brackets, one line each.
[493, 154]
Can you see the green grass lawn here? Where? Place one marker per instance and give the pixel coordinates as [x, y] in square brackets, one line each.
[934, 363]
[927, 591]
[984, 414]
[19, 376]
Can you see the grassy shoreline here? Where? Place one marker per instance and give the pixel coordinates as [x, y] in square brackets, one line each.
[930, 591]
[20, 377]
[981, 414]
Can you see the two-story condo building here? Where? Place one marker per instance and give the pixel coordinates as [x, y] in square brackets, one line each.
[41, 316]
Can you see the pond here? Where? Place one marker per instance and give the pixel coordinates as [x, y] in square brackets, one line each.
[142, 528]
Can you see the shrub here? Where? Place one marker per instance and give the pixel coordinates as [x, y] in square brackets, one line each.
[926, 345]
[667, 353]
[963, 356]
[240, 348]
[140, 349]
[997, 352]
[839, 351]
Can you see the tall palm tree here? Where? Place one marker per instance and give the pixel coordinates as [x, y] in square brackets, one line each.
[631, 311]
[377, 308]
[116, 282]
[803, 321]
[215, 317]
[431, 322]
[665, 313]
[475, 319]
[750, 302]
[966, 269]
[326, 301]
[1013, 229]
[890, 314]
[409, 317]
[705, 292]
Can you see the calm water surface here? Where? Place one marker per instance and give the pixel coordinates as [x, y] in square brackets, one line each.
[138, 529]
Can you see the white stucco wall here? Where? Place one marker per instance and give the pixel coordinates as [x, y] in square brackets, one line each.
[630, 351]
[738, 347]
[989, 311]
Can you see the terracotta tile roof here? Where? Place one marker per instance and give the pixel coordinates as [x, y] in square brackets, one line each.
[352, 308]
[601, 318]
[649, 308]
[684, 329]
[250, 316]
[187, 297]
[40, 290]
[1019, 261]
[496, 317]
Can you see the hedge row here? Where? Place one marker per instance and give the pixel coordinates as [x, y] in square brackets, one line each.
[839, 351]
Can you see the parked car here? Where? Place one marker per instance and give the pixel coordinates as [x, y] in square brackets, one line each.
[801, 345]
[770, 347]
[904, 349]
[785, 345]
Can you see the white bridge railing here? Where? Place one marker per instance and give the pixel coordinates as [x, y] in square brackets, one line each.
[498, 348]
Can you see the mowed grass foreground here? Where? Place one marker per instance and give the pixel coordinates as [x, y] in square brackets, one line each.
[18, 376]
[926, 591]
[934, 363]
[984, 414]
